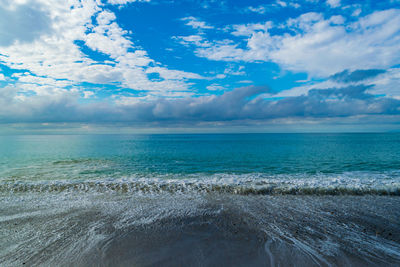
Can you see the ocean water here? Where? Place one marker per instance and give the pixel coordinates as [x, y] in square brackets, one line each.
[200, 200]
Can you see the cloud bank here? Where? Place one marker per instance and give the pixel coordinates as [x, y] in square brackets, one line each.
[244, 103]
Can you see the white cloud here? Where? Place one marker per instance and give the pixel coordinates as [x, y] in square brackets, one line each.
[249, 29]
[88, 94]
[316, 45]
[173, 74]
[279, 4]
[224, 50]
[215, 87]
[123, 2]
[107, 37]
[196, 23]
[356, 12]
[27, 78]
[245, 81]
[233, 70]
[54, 57]
[2, 77]
[324, 48]
[259, 9]
[197, 40]
[105, 17]
[387, 84]
[333, 3]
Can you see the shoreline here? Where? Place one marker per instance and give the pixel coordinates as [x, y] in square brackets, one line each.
[197, 230]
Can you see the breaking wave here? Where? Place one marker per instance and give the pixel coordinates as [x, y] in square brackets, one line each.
[249, 184]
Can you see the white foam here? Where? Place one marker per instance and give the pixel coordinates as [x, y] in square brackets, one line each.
[352, 183]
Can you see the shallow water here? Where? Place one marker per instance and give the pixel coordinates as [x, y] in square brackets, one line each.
[103, 156]
[200, 200]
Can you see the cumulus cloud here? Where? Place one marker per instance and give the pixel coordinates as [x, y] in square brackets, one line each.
[314, 44]
[52, 50]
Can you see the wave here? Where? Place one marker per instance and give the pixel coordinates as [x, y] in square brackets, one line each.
[254, 184]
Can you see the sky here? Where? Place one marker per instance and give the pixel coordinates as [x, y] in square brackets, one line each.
[200, 65]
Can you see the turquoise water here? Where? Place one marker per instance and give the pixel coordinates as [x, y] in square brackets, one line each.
[200, 200]
[344, 163]
[207, 153]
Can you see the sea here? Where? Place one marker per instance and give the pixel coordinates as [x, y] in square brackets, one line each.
[200, 200]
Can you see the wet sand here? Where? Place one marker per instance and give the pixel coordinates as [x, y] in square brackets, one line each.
[74, 229]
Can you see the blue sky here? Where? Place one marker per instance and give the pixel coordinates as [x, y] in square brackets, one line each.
[191, 64]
